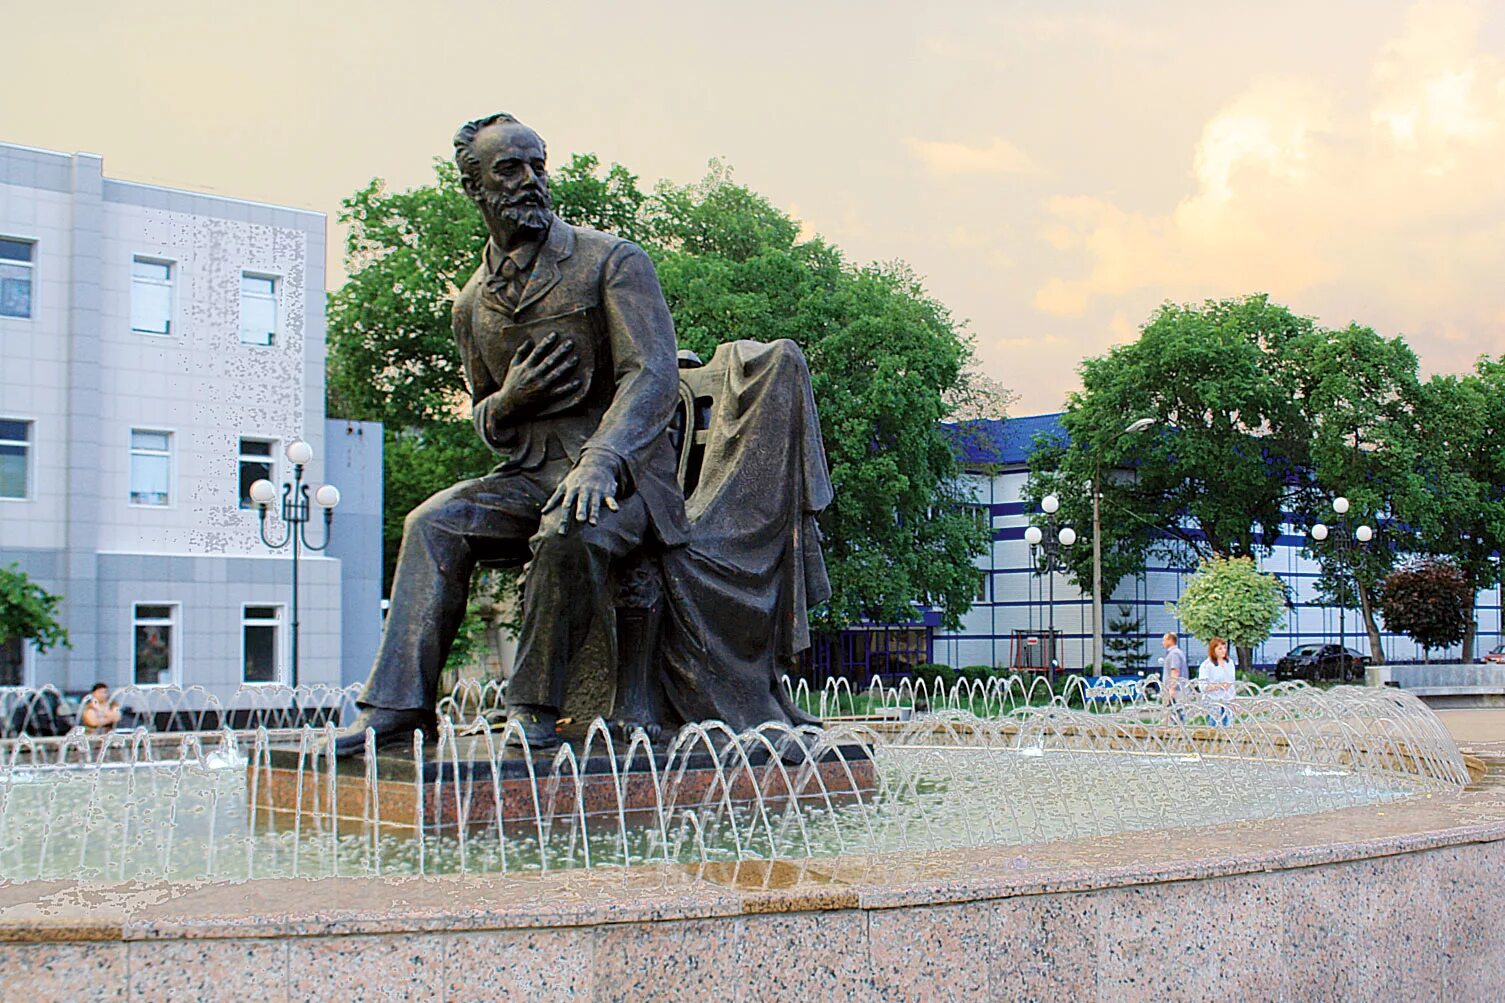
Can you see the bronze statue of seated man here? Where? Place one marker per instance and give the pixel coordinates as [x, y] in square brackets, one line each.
[569, 351]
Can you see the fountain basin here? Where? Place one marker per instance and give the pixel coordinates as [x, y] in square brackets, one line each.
[1386, 887]
[1392, 902]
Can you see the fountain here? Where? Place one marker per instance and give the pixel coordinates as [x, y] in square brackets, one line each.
[989, 785]
[1001, 764]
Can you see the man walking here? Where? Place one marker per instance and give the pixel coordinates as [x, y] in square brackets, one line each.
[1173, 673]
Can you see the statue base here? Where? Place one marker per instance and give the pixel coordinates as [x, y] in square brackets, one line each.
[467, 787]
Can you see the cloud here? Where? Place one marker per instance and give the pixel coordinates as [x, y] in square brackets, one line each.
[1077, 27]
[1380, 195]
[956, 159]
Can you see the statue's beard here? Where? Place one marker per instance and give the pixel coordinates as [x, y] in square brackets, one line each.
[529, 211]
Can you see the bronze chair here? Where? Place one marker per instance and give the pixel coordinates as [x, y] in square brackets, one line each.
[639, 579]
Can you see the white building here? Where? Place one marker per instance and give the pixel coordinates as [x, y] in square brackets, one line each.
[1012, 600]
[158, 351]
[1014, 604]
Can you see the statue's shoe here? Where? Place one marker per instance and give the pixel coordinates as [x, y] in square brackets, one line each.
[538, 726]
[389, 726]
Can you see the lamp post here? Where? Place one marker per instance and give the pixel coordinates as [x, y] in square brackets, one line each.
[1139, 425]
[1052, 541]
[1346, 541]
[295, 519]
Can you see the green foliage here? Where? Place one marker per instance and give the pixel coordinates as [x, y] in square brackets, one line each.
[1358, 393]
[1429, 601]
[1123, 642]
[1460, 513]
[1209, 477]
[935, 674]
[29, 611]
[1259, 413]
[1230, 598]
[887, 361]
[976, 673]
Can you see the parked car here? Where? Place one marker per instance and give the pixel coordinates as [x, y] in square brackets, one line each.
[1316, 662]
[1496, 655]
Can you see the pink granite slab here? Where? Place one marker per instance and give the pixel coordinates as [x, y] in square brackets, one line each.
[66, 971]
[370, 969]
[518, 965]
[931, 955]
[688, 961]
[804, 956]
[209, 971]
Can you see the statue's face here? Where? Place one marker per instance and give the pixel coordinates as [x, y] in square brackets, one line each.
[512, 184]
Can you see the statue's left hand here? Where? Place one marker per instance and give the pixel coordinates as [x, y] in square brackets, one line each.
[585, 489]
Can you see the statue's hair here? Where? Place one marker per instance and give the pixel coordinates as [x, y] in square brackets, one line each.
[465, 138]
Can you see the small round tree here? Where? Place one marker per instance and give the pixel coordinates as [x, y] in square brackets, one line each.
[1229, 597]
[1429, 601]
[28, 611]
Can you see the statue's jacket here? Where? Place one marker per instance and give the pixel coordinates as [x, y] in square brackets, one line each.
[599, 292]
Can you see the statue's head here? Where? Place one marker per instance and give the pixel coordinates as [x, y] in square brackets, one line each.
[502, 166]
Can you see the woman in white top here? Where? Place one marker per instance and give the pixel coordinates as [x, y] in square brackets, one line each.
[1215, 680]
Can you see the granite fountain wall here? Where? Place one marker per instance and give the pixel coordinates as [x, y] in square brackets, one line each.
[1397, 902]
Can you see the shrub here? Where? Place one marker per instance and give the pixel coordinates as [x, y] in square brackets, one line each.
[1229, 597]
[976, 673]
[934, 673]
[1427, 600]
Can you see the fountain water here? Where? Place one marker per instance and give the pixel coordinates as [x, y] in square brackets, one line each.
[1001, 762]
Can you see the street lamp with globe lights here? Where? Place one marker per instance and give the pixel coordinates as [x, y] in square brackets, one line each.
[1345, 542]
[296, 511]
[1052, 541]
[1134, 427]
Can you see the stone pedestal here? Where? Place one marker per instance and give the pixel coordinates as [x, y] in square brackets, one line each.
[463, 785]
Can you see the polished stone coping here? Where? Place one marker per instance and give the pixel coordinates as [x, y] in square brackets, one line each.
[64, 911]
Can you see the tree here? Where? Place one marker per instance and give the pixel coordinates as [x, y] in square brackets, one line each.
[1428, 600]
[1210, 477]
[29, 612]
[1124, 645]
[1460, 514]
[887, 361]
[1229, 597]
[1358, 394]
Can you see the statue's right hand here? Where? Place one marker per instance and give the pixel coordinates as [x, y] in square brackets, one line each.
[539, 373]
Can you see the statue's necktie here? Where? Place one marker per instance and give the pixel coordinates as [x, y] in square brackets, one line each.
[510, 279]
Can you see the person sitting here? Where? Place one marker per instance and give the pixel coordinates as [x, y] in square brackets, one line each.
[99, 713]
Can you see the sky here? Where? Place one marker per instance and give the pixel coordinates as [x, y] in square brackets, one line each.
[1054, 170]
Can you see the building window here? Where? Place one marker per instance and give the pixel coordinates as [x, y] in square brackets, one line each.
[15, 458]
[151, 296]
[259, 643]
[151, 467]
[982, 585]
[258, 309]
[152, 632]
[15, 277]
[12, 662]
[256, 458]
